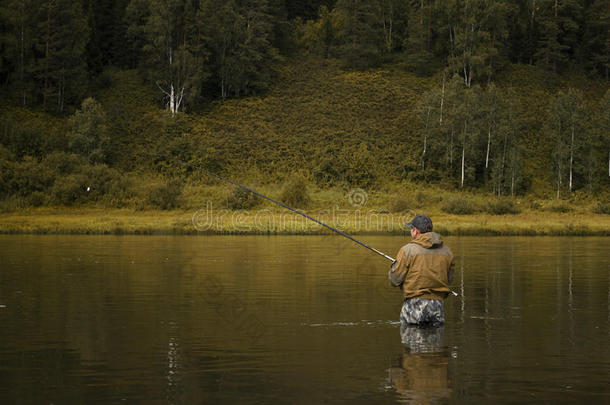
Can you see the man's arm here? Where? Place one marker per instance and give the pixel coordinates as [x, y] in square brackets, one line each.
[399, 269]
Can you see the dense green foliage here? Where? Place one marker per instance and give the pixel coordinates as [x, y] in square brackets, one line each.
[52, 53]
[475, 94]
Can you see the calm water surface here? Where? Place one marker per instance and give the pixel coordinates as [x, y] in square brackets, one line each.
[297, 320]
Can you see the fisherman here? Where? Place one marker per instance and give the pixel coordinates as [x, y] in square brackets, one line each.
[423, 270]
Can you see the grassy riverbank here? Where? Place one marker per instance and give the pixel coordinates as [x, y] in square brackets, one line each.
[271, 221]
[215, 208]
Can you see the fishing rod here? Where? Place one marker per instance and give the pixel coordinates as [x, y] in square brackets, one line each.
[298, 212]
[281, 204]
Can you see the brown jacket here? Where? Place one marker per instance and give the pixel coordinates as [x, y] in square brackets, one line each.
[423, 268]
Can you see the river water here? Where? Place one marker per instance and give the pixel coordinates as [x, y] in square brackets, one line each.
[297, 320]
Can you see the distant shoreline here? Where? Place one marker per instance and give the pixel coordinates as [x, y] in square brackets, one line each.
[96, 221]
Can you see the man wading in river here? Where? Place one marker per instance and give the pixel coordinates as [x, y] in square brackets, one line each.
[423, 270]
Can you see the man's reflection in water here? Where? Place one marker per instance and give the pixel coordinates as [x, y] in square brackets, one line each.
[420, 376]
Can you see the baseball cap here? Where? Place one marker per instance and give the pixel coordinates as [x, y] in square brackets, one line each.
[422, 222]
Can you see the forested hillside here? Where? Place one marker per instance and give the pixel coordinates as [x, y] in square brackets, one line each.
[504, 97]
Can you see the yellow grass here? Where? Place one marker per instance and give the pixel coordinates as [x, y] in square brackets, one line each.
[277, 221]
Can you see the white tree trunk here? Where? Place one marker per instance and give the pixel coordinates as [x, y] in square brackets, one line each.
[463, 153]
[571, 157]
[175, 97]
[503, 165]
[512, 184]
[558, 179]
[22, 52]
[451, 150]
[388, 29]
[423, 154]
[488, 146]
[440, 121]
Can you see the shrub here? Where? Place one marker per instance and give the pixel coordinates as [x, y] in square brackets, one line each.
[242, 199]
[12, 203]
[295, 192]
[326, 173]
[7, 172]
[37, 199]
[89, 135]
[559, 206]
[29, 177]
[502, 206]
[166, 196]
[602, 208]
[64, 163]
[69, 190]
[427, 176]
[401, 205]
[99, 179]
[535, 205]
[459, 206]
[120, 191]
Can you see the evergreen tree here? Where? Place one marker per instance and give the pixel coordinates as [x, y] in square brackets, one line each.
[238, 35]
[558, 26]
[62, 38]
[521, 41]
[419, 56]
[361, 32]
[136, 16]
[306, 9]
[106, 19]
[282, 36]
[9, 43]
[319, 36]
[597, 37]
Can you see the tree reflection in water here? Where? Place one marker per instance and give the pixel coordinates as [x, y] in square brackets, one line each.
[420, 374]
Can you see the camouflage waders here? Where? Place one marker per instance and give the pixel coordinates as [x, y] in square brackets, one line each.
[422, 311]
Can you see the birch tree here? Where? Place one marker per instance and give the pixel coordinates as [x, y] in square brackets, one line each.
[464, 118]
[473, 36]
[170, 57]
[491, 111]
[568, 122]
[448, 118]
[428, 111]
[505, 162]
[393, 17]
[604, 124]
